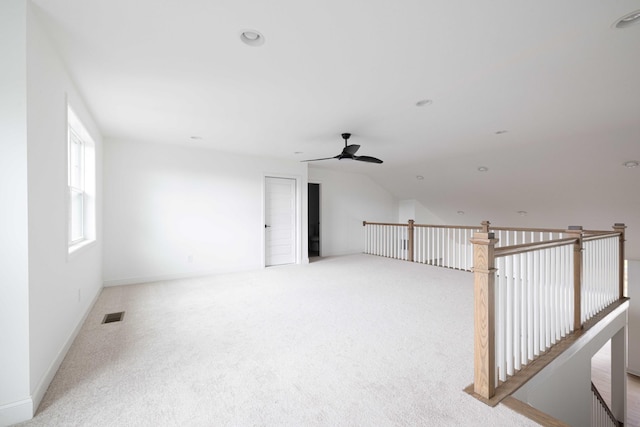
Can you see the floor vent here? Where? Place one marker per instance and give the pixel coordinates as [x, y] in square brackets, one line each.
[113, 317]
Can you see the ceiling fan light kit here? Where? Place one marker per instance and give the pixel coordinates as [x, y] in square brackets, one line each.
[349, 153]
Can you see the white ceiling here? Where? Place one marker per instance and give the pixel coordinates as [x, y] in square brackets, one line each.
[554, 74]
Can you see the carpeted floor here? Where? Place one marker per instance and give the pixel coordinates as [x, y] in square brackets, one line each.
[346, 341]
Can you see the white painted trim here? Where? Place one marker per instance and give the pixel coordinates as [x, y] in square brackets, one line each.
[300, 258]
[577, 361]
[603, 330]
[25, 409]
[79, 247]
[16, 412]
[46, 379]
[633, 372]
[596, 337]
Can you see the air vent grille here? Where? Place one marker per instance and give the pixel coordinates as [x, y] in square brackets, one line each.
[113, 317]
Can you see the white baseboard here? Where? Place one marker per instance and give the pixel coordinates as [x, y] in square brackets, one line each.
[16, 412]
[46, 379]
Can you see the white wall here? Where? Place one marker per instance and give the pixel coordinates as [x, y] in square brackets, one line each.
[61, 288]
[569, 375]
[15, 402]
[413, 209]
[45, 295]
[347, 199]
[633, 275]
[174, 211]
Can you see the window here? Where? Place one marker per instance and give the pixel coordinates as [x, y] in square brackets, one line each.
[81, 184]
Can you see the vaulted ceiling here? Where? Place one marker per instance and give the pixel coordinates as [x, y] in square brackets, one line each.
[544, 94]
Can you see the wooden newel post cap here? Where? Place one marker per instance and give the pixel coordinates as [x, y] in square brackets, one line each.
[364, 223]
[575, 228]
[619, 225]
[485, 226]
[481, 238]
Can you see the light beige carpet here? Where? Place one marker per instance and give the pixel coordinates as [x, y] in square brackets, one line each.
[345, 341]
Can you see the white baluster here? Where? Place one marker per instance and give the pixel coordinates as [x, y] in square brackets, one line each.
[531, 306]
[501, 305]
[517, 298]
[547, 301]
[509, 314]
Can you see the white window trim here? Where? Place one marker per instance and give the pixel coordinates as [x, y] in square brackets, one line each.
[88, 181]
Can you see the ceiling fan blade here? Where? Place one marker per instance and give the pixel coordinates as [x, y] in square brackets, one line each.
[350, 149]
[324, 158]
[367, 159]
[348, 152]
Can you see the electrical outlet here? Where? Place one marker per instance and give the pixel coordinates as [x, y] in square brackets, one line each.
[190, 259]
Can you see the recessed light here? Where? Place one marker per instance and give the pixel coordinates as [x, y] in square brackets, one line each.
[522, 213]
[631, 164]
[424, 102]
[297, 152]
[460, 212]
[628, 20]
[195, 138]
[483, 169]
[500, 132]
[419, 177]
[252, 38]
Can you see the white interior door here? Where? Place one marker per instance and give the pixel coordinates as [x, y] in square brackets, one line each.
[280, 221]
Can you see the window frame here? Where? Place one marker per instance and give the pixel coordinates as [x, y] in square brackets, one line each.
[81, 184]
[77, 188]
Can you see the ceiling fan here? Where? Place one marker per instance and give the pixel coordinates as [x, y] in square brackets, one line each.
[349, 152]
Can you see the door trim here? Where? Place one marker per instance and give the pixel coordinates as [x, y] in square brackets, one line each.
[300, 216]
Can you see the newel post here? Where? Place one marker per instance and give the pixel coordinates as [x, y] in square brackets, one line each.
[619, 228]
[575, 231]
[484, 312]
[410, 243]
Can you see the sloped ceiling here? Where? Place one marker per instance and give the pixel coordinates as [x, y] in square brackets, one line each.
[556, 76]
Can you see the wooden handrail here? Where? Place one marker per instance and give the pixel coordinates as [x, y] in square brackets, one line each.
[364, 223]
[588, 233]
[461, 227]
[592, 232]
[535, 246]
[543, 230]
[485, 253]
[601, 235]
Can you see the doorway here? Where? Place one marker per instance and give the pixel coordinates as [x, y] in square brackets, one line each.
[280, 221]
[314, 219]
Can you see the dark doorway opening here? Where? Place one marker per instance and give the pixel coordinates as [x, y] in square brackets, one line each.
[314, 219]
